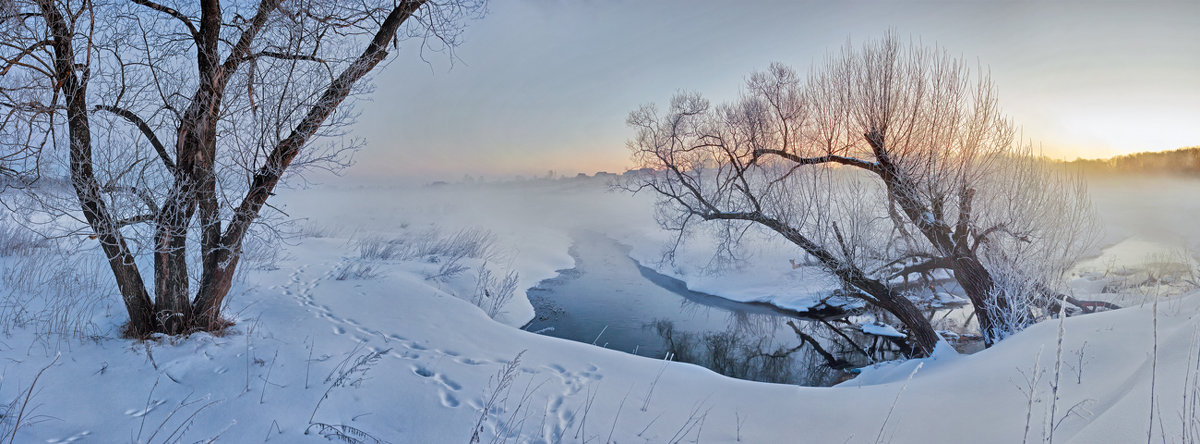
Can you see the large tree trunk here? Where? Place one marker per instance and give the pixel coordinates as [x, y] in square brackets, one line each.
[977, 283]
[975, 280]
[195, 183]
[214, 286]
[83, 177]
[170, 268]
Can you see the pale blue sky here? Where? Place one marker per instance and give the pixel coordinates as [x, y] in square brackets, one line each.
[546, 84]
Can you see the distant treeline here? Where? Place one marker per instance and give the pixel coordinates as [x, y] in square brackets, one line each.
[1183, 161]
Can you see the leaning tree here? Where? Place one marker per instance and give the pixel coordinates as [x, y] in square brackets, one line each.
[180, 119]
[884, 162]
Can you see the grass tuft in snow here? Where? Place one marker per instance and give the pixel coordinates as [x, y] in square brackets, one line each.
[19, 412]
[497, 402]
[312, 229]
[351, 372]
[18, 241]
[453, 254]
[431, 246]
[56, 297]
[343, 433]
[1189, 412]
[493, 292]
[353, 271]
[262, 253]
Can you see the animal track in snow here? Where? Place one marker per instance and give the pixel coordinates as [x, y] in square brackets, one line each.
[448, 383]
[301, 287]
[368, 331]
[448, 399]
[405, 355]
[469, 361]
[445, 385]
[422, 372]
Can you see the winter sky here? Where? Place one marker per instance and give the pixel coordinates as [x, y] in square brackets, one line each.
[540, 85]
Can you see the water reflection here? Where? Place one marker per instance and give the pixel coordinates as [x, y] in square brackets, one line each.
[770, 349]
[611, 301]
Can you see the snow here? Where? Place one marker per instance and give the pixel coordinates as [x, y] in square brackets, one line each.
[438, 356]
[880, 329]
[768, 277]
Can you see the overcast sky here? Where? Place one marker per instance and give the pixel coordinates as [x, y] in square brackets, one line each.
[544, 85]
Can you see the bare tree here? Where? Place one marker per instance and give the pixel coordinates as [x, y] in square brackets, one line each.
[180, 120]
[885, 162]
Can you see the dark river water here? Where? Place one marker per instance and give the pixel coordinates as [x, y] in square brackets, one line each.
[611, 301]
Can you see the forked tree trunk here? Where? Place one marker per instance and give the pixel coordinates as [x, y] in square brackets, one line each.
[194, 149]
[222, 261]
[975, 280]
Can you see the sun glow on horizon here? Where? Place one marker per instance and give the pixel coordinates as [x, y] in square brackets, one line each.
[1104, 133]
[1080, 79]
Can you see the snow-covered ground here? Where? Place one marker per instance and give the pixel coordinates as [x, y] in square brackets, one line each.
[395, 356]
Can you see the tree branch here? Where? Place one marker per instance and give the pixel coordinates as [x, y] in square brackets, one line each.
[850, 161]
[146, 131]
[141, 194]
[134, 220]
[980, 238]
[240, 49]
[171, 12]
[750, 216]
[283, 56]
[16, 60]
[923, 267]
[281, 156]
[1087, 306]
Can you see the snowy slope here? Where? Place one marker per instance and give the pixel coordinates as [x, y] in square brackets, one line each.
[438, 357]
